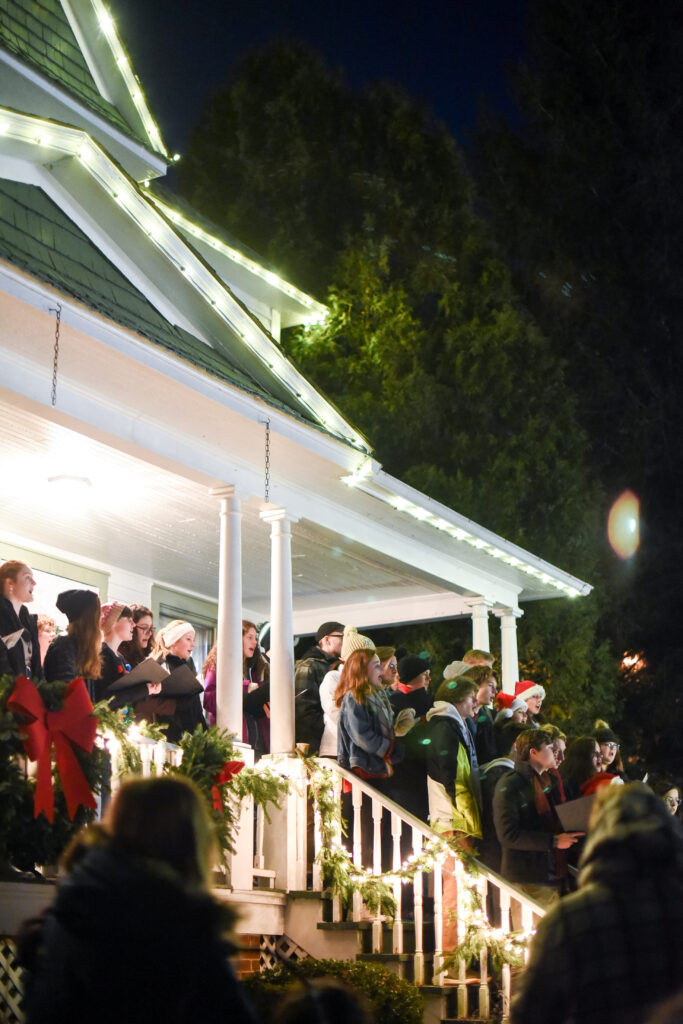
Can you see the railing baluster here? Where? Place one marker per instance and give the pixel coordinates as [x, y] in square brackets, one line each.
[377, 870]
[438, 926]
[459, 872]
[484, 995]
[418, 956]
[396, 827]
[357, 797]
[317, 881]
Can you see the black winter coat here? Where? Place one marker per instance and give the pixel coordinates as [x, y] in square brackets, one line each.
[10, 622]
[527, 845]
[60, 664]
[125, 942]
[308, 713]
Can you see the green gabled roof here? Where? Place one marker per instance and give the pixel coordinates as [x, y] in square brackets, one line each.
[38, 237]
[39, 32]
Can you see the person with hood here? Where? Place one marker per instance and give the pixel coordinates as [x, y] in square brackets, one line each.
[610, 952]
[309, 673]
[489, 775]
[453, 786]
[133, 934]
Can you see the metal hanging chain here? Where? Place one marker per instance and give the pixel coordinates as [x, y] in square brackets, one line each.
[267, 473]
[55, 362]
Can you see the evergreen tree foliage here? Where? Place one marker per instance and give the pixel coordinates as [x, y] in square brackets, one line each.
[585, 198]
[365, 200]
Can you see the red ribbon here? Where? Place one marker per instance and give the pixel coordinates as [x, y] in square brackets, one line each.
[229, 770]
[74, 724]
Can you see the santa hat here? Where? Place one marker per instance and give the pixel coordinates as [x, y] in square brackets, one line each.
[528, 688]
[508, 704]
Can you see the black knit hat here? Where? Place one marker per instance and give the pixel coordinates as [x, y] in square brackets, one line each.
[606, 735]
[411, 667]
[74, 602]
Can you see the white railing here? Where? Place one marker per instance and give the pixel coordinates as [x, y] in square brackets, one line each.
[285, 852]
[391, 822]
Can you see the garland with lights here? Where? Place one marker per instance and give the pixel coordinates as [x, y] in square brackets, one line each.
[343, 878]
[76, 746]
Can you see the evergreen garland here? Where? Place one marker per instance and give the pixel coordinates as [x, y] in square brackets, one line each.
[206, 752]
[343, 879]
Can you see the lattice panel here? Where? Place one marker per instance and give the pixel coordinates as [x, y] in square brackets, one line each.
[276, 948]
[11, 995]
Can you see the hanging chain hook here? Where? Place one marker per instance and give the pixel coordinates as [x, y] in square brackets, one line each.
[55, 362]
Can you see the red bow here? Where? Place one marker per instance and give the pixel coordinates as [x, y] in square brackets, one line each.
[229, 770]
[74, 724]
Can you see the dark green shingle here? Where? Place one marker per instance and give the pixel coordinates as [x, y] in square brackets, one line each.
[38, 237]
[38, 31]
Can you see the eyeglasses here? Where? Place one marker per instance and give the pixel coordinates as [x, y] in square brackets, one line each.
[672, 801]
[145, 629]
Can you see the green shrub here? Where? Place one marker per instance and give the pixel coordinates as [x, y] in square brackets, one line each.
[391, 1000]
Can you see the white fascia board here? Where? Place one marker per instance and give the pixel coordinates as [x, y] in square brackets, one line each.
[110, 65]
[149, 164]
[181, 268]
[373, 612]
[229, 253]
[41, 297]
[396, 540]
[411, 502]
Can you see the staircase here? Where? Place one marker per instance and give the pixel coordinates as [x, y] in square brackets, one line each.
[411, 945]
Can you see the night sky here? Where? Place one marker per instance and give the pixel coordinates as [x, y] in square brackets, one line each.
[450, 53]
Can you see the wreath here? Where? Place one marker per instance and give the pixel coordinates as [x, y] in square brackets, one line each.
[51, 724]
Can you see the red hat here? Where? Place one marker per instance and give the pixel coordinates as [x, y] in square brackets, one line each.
[528, 688]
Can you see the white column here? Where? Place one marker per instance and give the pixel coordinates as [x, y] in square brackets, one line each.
[281, 632]
[229, 628]
[508, 646]
[480, 623]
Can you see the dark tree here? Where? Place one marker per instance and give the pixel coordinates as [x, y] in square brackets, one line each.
[364, 198]
[586, 199]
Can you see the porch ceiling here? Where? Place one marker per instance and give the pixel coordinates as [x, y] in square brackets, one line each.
[158, 524]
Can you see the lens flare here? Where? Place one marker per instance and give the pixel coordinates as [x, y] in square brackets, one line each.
[623, 525]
